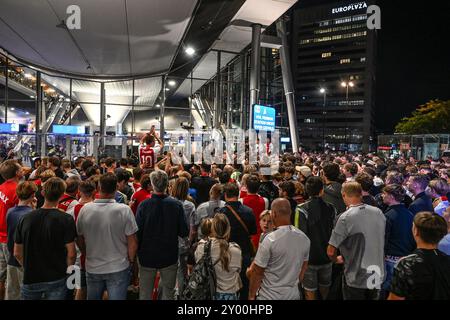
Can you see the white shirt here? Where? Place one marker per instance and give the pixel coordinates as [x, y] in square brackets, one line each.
[282, 254]
[105, 225]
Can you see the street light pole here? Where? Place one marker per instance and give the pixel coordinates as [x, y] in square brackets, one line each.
[347, 85]
[346, 121]
[324, 92]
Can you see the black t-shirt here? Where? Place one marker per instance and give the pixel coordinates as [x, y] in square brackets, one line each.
[369, 200]
[44, 234]
[424, 275]
[202, 184]
[39, 197]
[60, 174]
[237, 233]
[268, 190]
[316, 220]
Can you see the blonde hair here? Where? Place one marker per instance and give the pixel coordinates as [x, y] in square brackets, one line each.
[440, 186]
[180, 189]
[221, 231]
[47, 174]
[206, 227]
[264, 214]
[244, 179]
[352, 189]
[185, 174]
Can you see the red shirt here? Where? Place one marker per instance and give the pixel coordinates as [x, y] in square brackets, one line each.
[243, 193]
[8, 199]
[65, 201]
[147, 156]
[136, 186]
[258, 205]
[139, 196]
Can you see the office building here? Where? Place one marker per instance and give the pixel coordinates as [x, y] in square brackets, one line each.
[333, 50]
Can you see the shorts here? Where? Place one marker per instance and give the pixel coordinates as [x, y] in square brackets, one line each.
[14, 282]
[4, 257]
[317, 276]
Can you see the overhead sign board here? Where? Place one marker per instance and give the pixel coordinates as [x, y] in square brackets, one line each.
[61, 129]
[350, 7]
[263, 118]
[9, 128]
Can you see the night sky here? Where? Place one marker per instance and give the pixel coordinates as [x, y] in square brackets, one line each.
[413, 60]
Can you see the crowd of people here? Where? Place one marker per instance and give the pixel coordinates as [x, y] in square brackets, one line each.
[324, 226]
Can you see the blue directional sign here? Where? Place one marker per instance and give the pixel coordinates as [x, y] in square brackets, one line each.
[263, 118]
[9, 127]
[61, 129]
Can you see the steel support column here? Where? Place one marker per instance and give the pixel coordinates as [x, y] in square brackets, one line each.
[217, 94]
[37, 122]
[255, 70]
[162, 110]
[242, 121]
[6, 90]
[133, 119]
[288, 84]
[102, 117]
[70, 103]
[229, 100]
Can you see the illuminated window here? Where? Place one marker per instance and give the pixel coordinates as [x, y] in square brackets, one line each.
[326, 54]
[352, 103]
[345, 61]
[341, 28]
[363, 59]
[335, 37]
[359, 18]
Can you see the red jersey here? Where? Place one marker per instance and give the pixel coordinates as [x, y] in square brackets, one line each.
[8, 199]
[66, 202]
[258, 205]
[136, 186]
[139, 196]
[243, 193]
[147, 156]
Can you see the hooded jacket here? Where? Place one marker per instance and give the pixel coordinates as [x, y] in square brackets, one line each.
[332, 194]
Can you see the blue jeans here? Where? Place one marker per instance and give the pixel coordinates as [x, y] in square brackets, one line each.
[389, 263]
[246, 262]
[54, 290]
[226, 296]
[116, 284]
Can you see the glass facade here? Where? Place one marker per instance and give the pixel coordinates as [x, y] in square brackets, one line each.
[131, 107]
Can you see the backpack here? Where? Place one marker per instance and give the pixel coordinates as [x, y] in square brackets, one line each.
[201, 283]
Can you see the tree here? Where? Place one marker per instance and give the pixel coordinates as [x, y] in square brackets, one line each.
[432, 117]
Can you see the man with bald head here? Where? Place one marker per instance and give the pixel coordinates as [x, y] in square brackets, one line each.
[281, 260]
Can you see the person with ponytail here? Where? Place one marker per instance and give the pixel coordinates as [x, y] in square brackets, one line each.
[226, 258]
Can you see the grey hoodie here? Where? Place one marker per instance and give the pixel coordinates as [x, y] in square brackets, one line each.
[332, 194]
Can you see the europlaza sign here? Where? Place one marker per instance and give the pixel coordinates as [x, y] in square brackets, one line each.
[350, 7]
